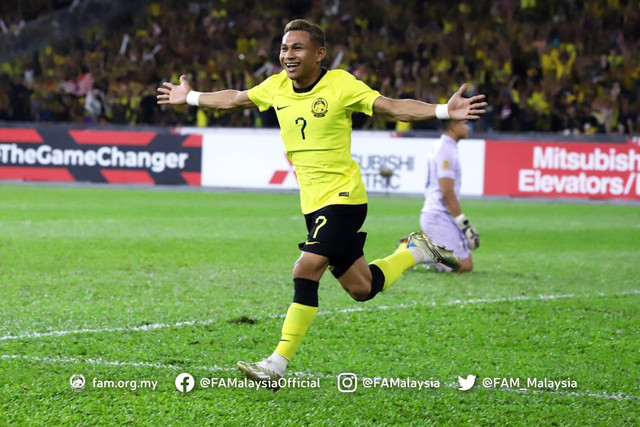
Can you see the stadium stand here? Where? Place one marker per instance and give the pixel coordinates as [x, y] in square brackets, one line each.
[17, 13]
[546, 66]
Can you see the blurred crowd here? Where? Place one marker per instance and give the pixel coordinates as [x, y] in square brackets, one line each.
[546, 66]
[16, 13]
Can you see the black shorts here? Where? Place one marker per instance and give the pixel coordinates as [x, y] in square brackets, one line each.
[334, 233]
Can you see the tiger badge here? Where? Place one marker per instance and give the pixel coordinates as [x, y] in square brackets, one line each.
[320, 107]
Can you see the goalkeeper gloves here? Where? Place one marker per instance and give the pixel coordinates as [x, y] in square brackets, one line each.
[469, 232]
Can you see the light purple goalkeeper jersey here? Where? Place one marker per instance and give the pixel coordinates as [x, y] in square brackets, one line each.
[443, 163]
[435, 219]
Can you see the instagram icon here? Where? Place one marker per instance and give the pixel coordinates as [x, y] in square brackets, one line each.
[347, 382]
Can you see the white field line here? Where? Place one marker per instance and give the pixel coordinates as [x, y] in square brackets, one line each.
[100, 361]
[618, 396]
[598, 395]
[461, 303]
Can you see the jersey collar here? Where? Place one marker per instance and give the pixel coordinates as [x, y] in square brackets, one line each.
[448, 139]
[323, 71]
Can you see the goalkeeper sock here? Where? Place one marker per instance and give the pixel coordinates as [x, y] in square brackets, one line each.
[299, 316]
[394, 265]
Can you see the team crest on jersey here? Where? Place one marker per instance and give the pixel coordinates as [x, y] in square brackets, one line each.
[320, 107]
[445, 165]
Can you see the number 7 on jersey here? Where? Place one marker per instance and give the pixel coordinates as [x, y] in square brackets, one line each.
[304, 125]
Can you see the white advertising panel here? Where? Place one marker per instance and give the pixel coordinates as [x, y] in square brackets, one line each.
[255, 159]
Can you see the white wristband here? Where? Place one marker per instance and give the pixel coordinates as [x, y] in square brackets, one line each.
[442, 112]
[192, 98]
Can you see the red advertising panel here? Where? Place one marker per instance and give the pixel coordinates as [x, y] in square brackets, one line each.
[563, 169]
[59, 153]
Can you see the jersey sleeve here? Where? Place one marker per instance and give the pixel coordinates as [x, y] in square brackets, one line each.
[357, 95]
[262, 94]
[446, 163]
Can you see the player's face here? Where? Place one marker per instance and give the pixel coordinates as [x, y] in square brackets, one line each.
[301, 58]
[462, 129]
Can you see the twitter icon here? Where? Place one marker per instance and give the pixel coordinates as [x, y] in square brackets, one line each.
[466, 383]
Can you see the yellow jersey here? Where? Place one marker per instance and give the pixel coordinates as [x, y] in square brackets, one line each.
[315, 125]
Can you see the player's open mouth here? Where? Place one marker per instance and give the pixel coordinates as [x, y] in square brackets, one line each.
[291, 66]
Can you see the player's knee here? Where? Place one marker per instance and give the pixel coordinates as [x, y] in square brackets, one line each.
[358, 291]
[359, 295]
[466, 266]
[307, 268]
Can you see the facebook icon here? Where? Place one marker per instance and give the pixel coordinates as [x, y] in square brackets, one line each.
[185, 383]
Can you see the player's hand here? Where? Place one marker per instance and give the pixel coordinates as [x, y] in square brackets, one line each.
[469, 231]
[465, 108]
[174, 94]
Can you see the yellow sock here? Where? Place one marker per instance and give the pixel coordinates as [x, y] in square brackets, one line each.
[394, 265]
[401, 246]
[298, 319]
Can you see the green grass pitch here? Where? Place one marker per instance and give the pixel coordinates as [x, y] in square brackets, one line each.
[136, 284]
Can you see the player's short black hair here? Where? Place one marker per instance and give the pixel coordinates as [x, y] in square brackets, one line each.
[316, 33]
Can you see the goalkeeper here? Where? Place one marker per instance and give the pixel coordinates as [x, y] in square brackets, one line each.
[441, 217]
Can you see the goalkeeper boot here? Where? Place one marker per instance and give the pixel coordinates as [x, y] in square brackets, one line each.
[435, 253]
[263, 370]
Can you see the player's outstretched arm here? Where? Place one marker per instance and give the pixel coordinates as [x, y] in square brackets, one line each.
[180, 94]
[410, 110]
